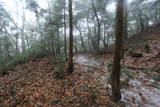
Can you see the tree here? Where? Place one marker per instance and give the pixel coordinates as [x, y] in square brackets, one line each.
[116, 93]
[82, 41]
[23, 26]
[125, 27]
[101, 9]
[65, 40]
[70, 37]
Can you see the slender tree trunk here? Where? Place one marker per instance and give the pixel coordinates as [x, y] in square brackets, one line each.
[155, 16]
[52, 41]
[17, 50]
[104, 37]
[23, 26]
[98, 25]
[1, 56]
[84, 48]
[89, 35]
[75, 46]
[116, 93]
[125, 27]
[58, 40]
[51, 47]
[70, 37]
[8, 53]
[93, 41]
[17, 34]
[141, 20]
[65, 42]
[27, 40]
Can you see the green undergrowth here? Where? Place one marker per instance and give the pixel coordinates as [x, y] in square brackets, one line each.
[60, 66]
[8, 62]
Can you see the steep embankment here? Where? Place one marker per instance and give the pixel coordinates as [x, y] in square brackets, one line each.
[140, 39]
[144, 87]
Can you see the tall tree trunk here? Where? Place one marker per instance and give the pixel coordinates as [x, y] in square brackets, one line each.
[141, 20]
[125, 27]
[58, 42]
[155, 17]
[51, 47]
[17, 34]
[17, 50]
[89, 35]
[70, 37]
[104, 37]
[52, 42]
[116, 93]
[65, 42]
[27, 40]
[23, 26]
[93, 36]
[1, 56]
[84, 48]
[98, 25]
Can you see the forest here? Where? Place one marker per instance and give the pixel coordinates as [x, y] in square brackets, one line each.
[79, 53]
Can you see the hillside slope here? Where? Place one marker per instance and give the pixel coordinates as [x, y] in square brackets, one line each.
[34, 84]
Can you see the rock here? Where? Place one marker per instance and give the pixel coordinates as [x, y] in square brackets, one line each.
[137, 55]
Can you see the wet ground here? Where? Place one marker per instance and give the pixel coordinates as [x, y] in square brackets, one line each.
[141, 91]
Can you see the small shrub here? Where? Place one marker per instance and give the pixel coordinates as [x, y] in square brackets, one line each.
[156, 77]
[155, 86]
[156, 68]
[60, 58]
[97, 57]
[125, 71]
[130, 49]
[59, 72]
[35, 51]
[92, 90]
[54, 101]
[110, 65]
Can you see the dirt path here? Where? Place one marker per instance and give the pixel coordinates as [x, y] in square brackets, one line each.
[140, 90]
[97, 66]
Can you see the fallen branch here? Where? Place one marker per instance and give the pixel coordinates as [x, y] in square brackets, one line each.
[138, 68]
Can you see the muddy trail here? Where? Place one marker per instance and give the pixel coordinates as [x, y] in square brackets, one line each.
[140, 90]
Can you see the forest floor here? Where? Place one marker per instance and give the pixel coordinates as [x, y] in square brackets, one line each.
[33, 84]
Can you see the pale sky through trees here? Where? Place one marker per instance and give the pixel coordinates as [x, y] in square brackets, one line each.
[10, 6]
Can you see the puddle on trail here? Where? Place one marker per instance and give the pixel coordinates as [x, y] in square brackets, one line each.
[140, 95]
[136, 95]
[85, 60]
